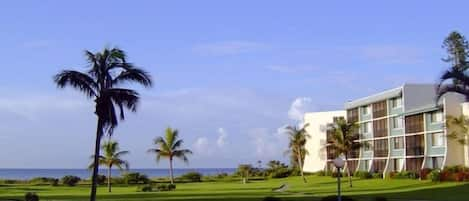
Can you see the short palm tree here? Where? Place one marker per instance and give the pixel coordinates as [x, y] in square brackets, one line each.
[112, 157]
[169, 147]
[298, 136]
[107, 70]
[344, 136]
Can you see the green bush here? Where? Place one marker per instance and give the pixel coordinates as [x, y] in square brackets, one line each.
[280, 173]
[70, 180]
[44, 180]
[363, 175]
[145, 188]
[101, 179]
[31, 197]
[334, 198]
[166, 187]
[377, 175]
[135, 178]
[269, 198]
[406, 175]
[192, 177]
[435, 175]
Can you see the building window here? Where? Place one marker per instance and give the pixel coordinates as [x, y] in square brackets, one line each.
[379, 109]
[437, 139]
[367, 146]
[397, 163]
[397, 122]
[366, 127]
[396, 102]
[398, 143]
[436, 117]
[366, 110]
[366, 164]
[414, 123]
[437, 162]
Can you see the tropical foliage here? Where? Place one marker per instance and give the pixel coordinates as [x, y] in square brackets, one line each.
[112, 157]
[297, 140]
[106, 72]
[169, 147]
[344, 136]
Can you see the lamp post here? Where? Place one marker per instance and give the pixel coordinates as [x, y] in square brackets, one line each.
[339, 163]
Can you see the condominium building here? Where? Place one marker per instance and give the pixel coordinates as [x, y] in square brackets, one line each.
[400, 129]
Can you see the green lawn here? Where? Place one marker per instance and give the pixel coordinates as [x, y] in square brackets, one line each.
[256, 190]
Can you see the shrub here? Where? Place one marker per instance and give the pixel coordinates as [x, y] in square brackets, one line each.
[135, 178]
[146, 188]
[435, 175]
[406, 175]
[377, 175]
[381, 199]
[424, 173]
[269, 198]
[44, 180]
[192, 177]
[334, 198]
[363, 175]
[31, 197]
[101, 179]
[70, 180]
[165, 187]
[280, 173]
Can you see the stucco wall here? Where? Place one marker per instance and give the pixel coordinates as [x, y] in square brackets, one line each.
[316, 159]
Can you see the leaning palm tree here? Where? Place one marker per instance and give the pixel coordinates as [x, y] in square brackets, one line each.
[344, 136]
[105, 73]
[111, 157]
[298, 136]
[169, 147]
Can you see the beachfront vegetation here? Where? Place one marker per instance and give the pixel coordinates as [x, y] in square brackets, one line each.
[112, 157]
[107, 70]
[256, 190]
[169, 147]
[297, 137]
[344, 136]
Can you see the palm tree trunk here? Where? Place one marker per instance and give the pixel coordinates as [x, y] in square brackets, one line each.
[348, 171]
[94, 177]
[300, 164]
[171, 170]
[109, 179]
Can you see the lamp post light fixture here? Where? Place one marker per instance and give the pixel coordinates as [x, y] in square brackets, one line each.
[339, 163]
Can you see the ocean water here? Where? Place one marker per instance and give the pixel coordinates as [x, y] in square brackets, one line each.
[23, 174]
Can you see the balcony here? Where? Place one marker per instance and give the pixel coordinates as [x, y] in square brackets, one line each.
[415, 151]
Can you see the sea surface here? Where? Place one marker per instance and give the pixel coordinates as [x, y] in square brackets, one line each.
[24, 174]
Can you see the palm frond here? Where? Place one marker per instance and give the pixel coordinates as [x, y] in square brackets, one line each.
[77, 80]
[133, 74]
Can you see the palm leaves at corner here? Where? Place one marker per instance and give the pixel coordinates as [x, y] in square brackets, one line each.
[169, 146]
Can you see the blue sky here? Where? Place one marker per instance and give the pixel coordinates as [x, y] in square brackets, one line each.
[228, 74]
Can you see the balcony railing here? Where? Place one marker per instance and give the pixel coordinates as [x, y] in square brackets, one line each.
[415, 151]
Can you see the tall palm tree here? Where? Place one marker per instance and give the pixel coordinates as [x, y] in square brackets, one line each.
[298, 136]
[344, 136]
[112, 157]
[456, 78]
[107, 70]
[169, 147]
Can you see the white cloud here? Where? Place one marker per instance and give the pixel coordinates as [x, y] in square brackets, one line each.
[201, 146]
[222, 135]
[228, 48]
[267, 144]
[299, 107]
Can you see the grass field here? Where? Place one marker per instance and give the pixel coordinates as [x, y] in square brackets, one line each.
[316, 188]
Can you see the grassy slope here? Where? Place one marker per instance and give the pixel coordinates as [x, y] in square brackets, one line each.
[226, 191]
